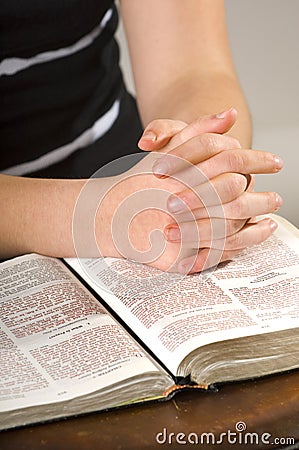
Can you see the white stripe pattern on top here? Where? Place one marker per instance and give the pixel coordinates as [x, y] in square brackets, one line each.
[98, 129]
[11, 66]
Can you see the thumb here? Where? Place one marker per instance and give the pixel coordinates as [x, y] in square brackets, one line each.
[171, 133]
[158, 133]
[216, 123]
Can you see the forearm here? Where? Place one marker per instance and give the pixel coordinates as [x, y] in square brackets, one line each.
[37, 216]
[195, 95]
[181, 61]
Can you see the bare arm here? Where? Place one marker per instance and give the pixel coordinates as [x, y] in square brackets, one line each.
[36, 215]
[65, 218]
[181, 61]
[183, 70]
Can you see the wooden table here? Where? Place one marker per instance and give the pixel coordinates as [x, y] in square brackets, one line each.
[269, 405]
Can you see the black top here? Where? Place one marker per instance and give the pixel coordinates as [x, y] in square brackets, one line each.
[64, 108]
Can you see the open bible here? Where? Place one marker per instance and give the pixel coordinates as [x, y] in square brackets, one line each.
[86, 335]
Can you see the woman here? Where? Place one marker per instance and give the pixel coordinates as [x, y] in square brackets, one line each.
[66, 112]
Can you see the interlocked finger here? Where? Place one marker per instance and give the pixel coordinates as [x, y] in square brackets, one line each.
[245, 161]
[251, 234]
[228, 186]
[208, 257]
[194, 151]
[192, 234]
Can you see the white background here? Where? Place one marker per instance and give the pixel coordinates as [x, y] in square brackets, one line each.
[264, 36]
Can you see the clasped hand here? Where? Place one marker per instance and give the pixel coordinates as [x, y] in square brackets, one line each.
[210, 208]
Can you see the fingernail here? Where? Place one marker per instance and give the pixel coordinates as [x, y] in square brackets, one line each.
[278, 201]
[186, 265]
[149, 136]
[160, 169]
[176, 205]
[222, 114]
[172, 233]
[278, 162]
[273, 225]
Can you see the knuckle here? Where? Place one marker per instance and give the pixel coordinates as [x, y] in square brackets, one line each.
[235, 160]
[234, 143]
[235, 241]
[196, 125]
[240, 208]
[233, 227]
[216, 143]
[209, 141]
[236, 184]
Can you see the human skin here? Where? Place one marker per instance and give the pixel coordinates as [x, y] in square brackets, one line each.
[40, 213]
[189, 77]
[237, 205]
[182, 63]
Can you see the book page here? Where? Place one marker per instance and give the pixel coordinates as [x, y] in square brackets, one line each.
[256, 293]
[56, 341]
